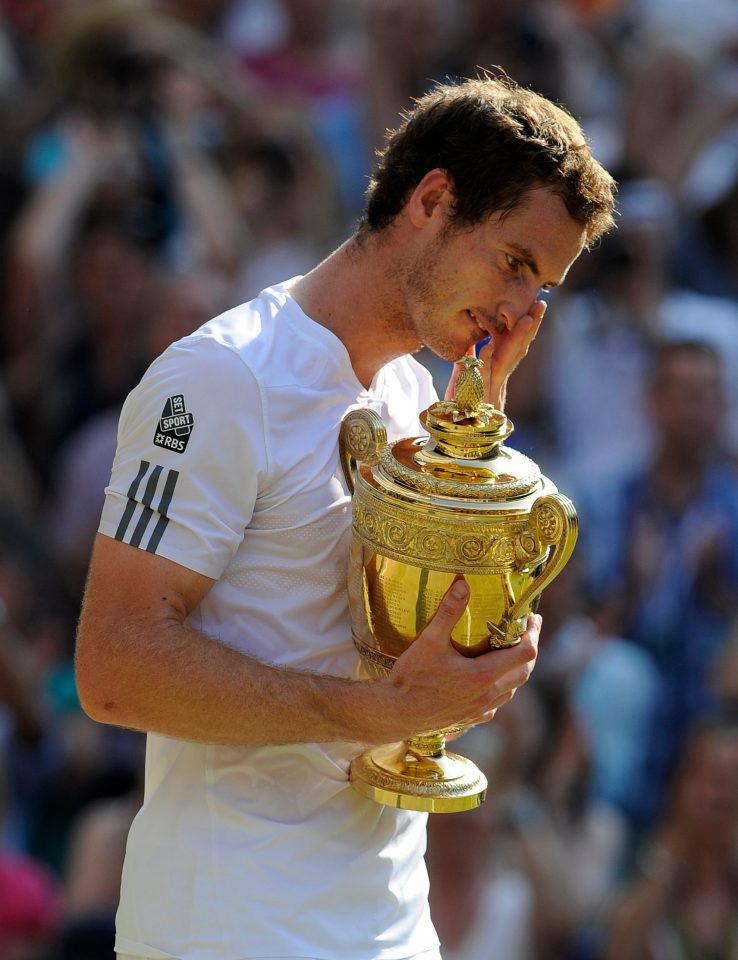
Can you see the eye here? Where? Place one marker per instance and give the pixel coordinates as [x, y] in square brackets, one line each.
[513, 262]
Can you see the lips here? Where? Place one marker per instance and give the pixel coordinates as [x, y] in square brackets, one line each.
[473, 316]
[486, 324]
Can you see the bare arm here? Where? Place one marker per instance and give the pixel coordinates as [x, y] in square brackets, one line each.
[212, 221]
[139, 665]
[642, 905]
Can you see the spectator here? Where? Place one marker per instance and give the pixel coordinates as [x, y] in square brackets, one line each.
[682, 900]
[317, 62]
[120, 185]
[596, 352]
[659, 545]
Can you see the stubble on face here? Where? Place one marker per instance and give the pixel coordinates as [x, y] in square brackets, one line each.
[418, 278]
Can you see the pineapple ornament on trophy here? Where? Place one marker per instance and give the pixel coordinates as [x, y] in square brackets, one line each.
[469, 389]
[425, 511]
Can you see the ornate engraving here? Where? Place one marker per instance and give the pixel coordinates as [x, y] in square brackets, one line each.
[365, 435]
[472, 549]
[505, 550]
[379, 663]
[431, 544]
[554, 520]
[398, 534]
[528, 544]
[423, 788]
[436, 486]
[448, 543]
[359, 440]
[547, 521]
[362, 437]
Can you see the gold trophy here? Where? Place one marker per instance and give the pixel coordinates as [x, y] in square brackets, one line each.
[425, 511]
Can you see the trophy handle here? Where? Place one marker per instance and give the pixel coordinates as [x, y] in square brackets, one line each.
[553, 522]
[362, 437]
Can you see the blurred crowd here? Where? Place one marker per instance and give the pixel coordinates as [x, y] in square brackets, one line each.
[161, 160]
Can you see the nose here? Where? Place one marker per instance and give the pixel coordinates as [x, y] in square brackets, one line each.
[510, 311]
[507, 315]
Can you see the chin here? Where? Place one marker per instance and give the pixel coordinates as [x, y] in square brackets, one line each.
[450, 351]
[448, 355]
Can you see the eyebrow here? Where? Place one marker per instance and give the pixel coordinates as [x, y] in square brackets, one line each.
[526, 257]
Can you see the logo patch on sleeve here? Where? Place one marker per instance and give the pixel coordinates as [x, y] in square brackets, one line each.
[175, 425]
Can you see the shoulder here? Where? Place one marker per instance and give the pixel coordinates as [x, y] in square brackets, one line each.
[226, 356]
[281, 346]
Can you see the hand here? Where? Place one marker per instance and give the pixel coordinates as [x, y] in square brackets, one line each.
[502, 353]
[182, 96]
[438, 687]
[99, 152]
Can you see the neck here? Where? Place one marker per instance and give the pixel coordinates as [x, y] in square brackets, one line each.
[351, 294]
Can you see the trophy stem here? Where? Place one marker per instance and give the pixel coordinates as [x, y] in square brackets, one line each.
[427, 744]
[418, 774]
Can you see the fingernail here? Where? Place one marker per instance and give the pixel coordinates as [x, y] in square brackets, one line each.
[460, 590]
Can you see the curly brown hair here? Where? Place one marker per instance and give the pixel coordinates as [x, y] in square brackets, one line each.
[497, 141]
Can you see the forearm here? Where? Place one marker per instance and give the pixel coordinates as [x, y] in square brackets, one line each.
[187, 685]
[211, 213]
[140, 665]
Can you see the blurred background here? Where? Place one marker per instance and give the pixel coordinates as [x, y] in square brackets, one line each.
[162, 161]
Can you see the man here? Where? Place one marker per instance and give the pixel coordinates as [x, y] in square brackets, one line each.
[216, 612]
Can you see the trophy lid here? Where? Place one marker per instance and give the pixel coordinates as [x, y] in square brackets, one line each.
[464, 457]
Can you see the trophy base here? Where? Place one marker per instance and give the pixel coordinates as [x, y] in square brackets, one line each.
[399, 777]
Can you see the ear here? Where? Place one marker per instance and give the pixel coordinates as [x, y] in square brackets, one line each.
[431, 198]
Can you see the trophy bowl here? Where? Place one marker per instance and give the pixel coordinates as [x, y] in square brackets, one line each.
[426, 510]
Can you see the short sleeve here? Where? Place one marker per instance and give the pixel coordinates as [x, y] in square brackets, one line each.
[190, 458]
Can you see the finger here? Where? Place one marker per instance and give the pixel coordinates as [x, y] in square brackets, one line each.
[537, 314]
[511, 679]
[501, 700]
[486, 351]
[538, 309]
[529, 324]
[507, 347]
[520, 340]
[504, 660]
[522, 336]
[490, 712]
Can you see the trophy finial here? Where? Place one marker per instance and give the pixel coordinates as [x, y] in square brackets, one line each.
[469, 389]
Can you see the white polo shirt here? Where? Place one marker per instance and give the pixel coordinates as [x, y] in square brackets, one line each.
[227, 463]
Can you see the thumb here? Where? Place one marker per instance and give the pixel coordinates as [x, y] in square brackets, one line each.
[451, 608]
